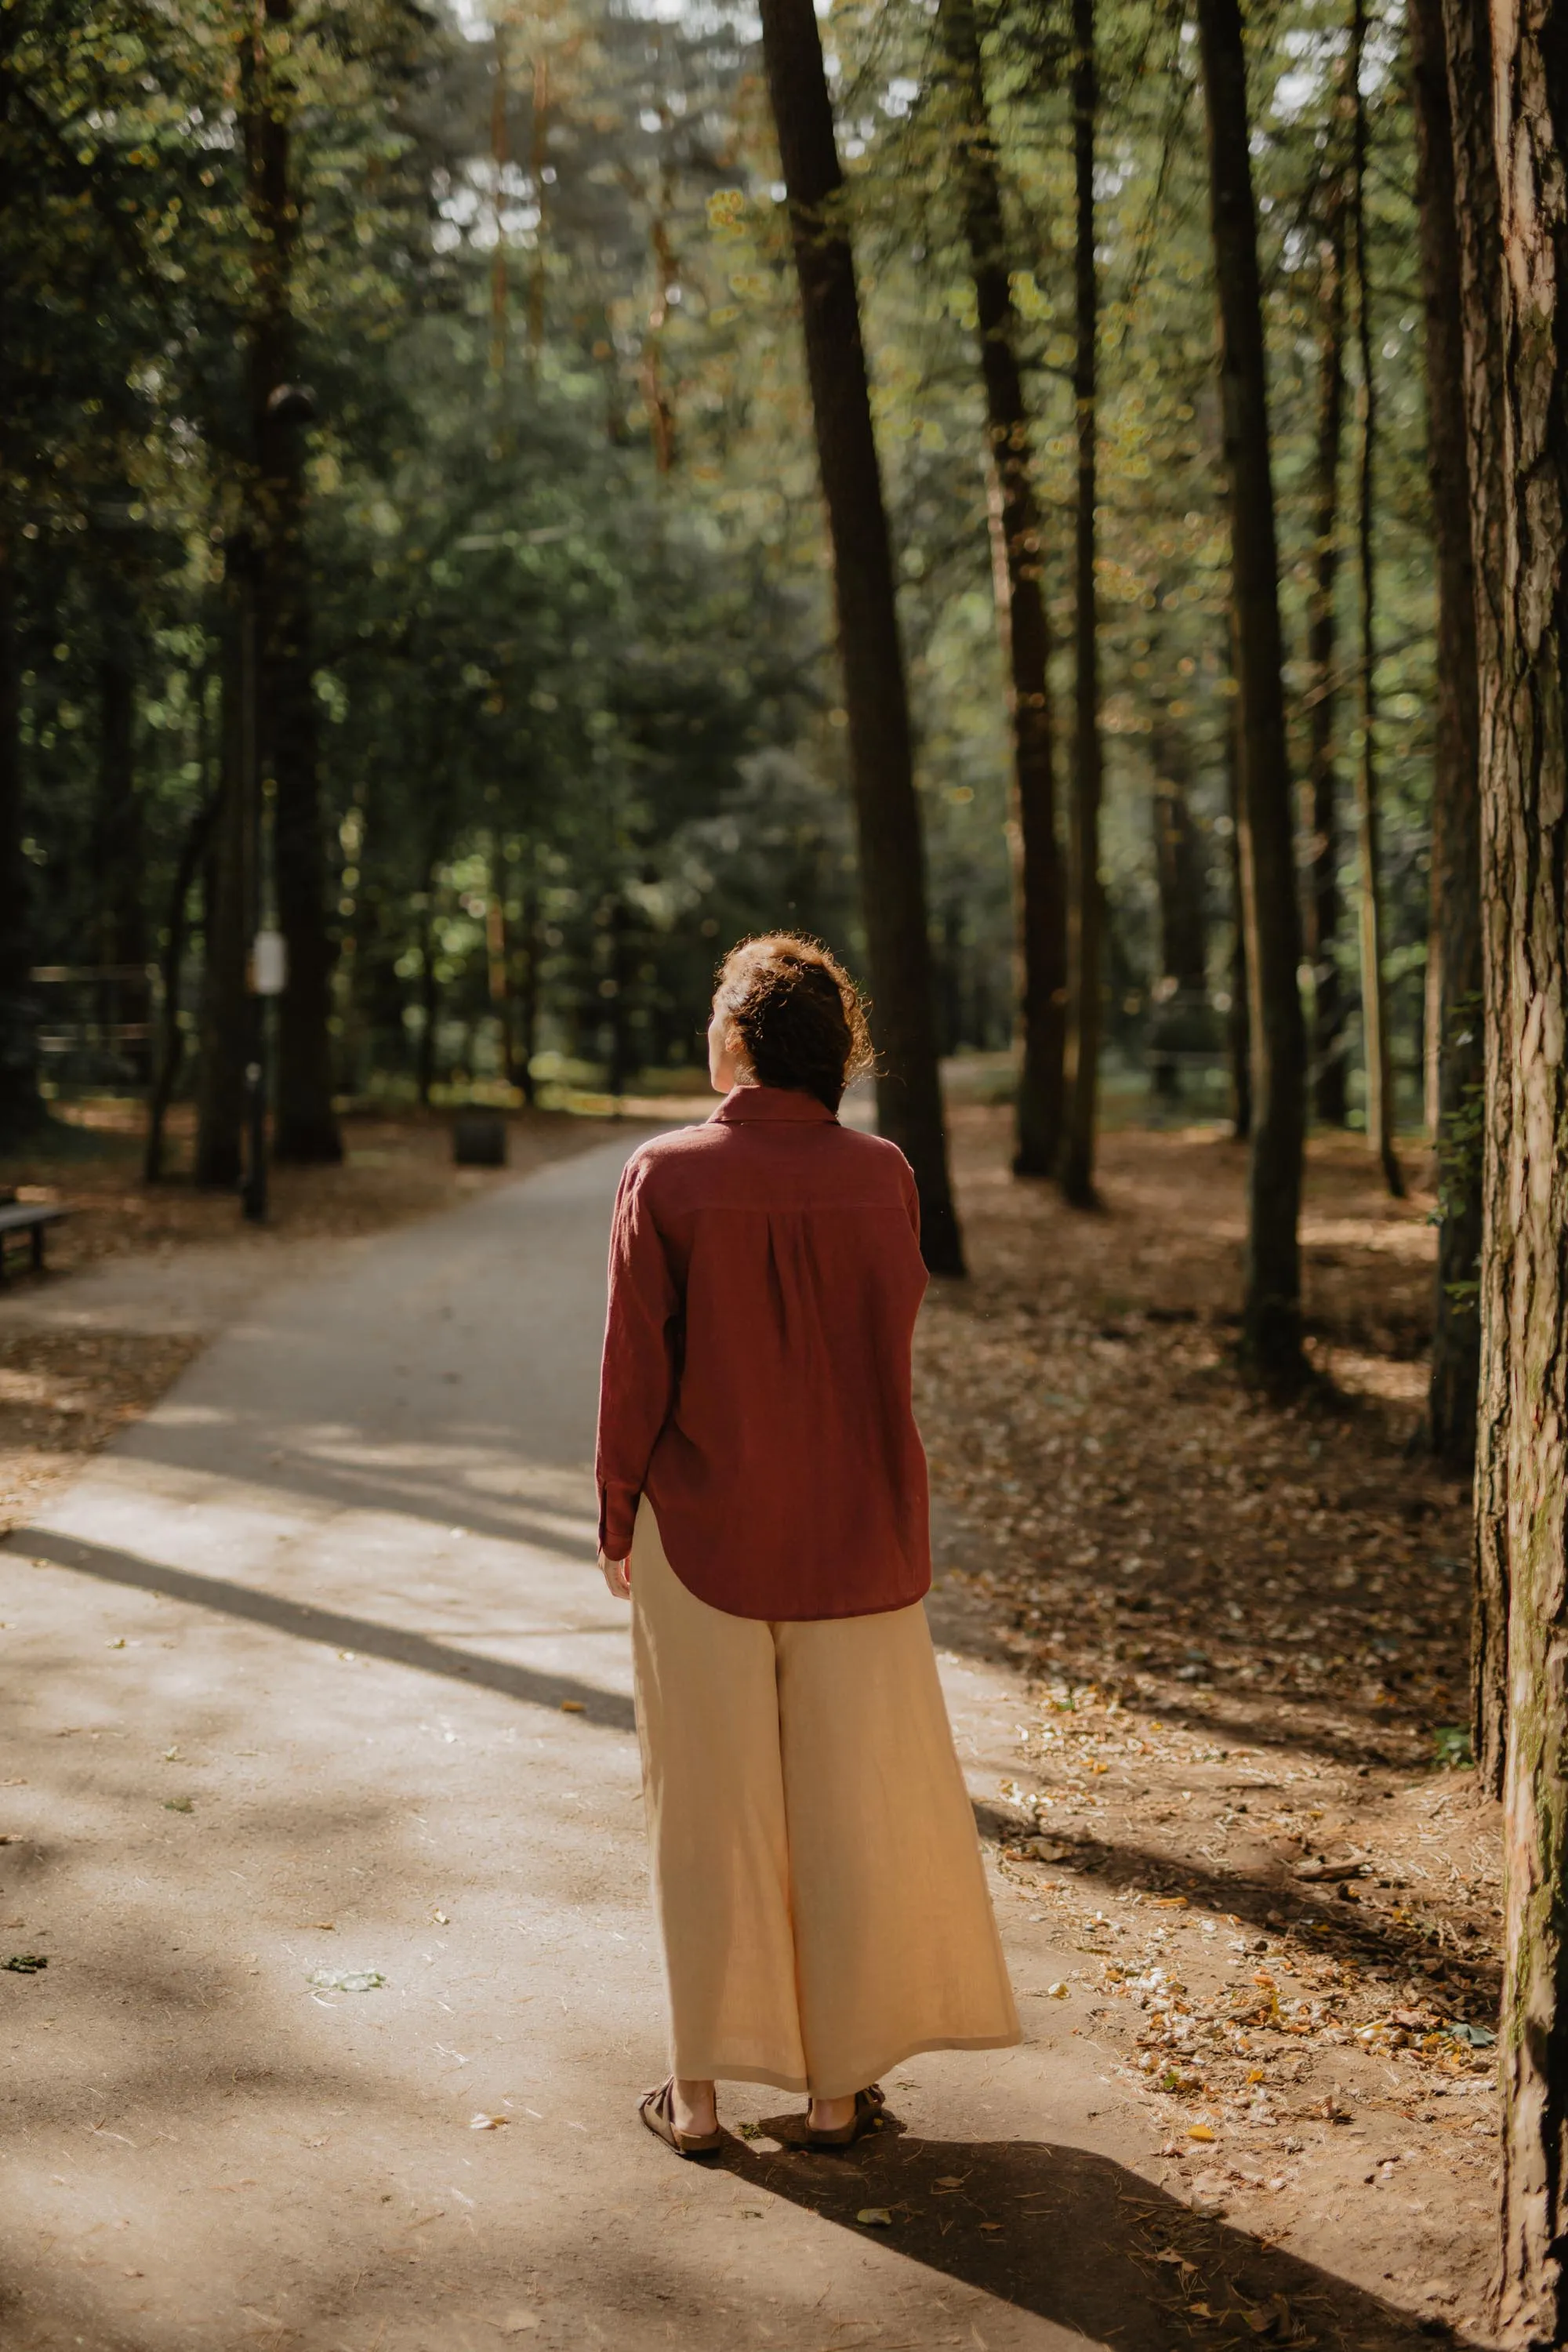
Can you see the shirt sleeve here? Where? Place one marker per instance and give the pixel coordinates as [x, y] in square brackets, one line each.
[636, 1379]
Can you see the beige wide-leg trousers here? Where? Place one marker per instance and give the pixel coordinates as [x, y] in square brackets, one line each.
[816, 1868]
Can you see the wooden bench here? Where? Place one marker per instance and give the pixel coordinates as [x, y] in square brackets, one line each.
[31, 1218]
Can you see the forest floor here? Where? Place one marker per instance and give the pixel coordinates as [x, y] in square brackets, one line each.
[1240, 1779]
[1249, 1897]
[171, 1265]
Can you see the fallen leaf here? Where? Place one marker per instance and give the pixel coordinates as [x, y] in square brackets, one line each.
[1058, 1991]
[178, 1805]
[116, 1646]
[346, 1980]
[488, 2123]
[874, 2216]
[1201, 2131]
[573, 1707]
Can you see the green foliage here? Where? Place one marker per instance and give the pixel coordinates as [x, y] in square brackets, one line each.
[579, 708]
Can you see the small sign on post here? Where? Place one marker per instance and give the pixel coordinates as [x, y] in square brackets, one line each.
[269, 964]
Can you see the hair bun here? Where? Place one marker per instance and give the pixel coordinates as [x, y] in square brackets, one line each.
[796, 1014]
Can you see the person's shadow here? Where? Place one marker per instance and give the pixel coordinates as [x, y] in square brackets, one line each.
[1077, 2239]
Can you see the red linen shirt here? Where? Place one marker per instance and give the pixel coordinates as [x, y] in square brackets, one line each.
[764, 1277]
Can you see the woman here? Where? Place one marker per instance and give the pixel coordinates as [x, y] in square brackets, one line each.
[763, 1502]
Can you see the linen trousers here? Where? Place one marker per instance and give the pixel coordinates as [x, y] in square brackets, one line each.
[816, 1873]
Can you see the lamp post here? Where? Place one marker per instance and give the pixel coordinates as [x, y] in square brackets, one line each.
[266, 967]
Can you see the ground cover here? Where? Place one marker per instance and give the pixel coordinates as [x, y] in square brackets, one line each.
[1243, 1632]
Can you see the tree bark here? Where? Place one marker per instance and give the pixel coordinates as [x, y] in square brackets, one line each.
[21, 1107]
[1271, 1302]
[305, 1124]
[1239, 1023]
[171, 1048]
[1083, 1096]
[1524, 737]
[1323, 908]
[224, 1021]
[1376, 1052]
[1455, 937]
[892, 875]
[1178, 860]
[1478, 211]
[1021, 611]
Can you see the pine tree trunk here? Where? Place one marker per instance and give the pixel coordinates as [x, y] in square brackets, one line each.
[1477, 207]
[1524, 736]
[892, 875]
[21, 1108]
[1455, 937]
[1021, 609]
[1323, 908]
[1078, 1156]
[305, 1125]
[1238, 1021]
[1376, 1045]
[1178, 860]
[224, 1016]
[1271, 1300]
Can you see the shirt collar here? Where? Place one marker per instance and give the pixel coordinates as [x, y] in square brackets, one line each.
[753, 1106]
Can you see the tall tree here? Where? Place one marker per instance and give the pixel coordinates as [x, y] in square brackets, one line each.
[1077, 1155]
[1478, 211]
[1454, 949]
[306, 1127]
[1376, 1045]
[1524, 1365]
[1271, 1304]
[892, 871]
[1019, 576]
[1323, 909]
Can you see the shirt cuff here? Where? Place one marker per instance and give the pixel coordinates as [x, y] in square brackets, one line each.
[617, 1519]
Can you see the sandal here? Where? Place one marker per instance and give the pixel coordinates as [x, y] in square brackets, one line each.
[657, 2109]
[866, 2118]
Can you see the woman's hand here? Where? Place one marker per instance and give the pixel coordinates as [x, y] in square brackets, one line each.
[617, 1575]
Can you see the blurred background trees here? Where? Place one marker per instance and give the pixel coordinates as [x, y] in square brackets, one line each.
[411, 537]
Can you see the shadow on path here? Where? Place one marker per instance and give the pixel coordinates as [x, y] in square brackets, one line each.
[363, 1634]
[1081, 2241]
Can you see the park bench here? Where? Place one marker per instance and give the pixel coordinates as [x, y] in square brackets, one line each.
[31, 1218]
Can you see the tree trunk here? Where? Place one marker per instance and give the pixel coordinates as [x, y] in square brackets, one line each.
[1477, 208]
[305, 1125]
[120, 926]
[1021, 611]
[1524, 1374]
[1454, 948]
[1271, 1302]
[21, 1108]
[892, 875]
[1238, 1024]
[1322, 656]
[1377, 1054]
[1078, 1156]
[171, 1048]
[224, 1020]
[1178, 861]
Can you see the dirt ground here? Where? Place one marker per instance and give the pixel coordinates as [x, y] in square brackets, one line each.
[64, 1391]
[1244, 1632]
[1239, 1633]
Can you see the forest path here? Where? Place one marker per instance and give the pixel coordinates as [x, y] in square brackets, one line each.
[312, 1676]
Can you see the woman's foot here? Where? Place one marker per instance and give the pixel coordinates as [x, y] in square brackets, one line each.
[696, 2113]
[831, 2114]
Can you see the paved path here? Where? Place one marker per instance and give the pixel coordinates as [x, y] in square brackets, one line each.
[311, 1678]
